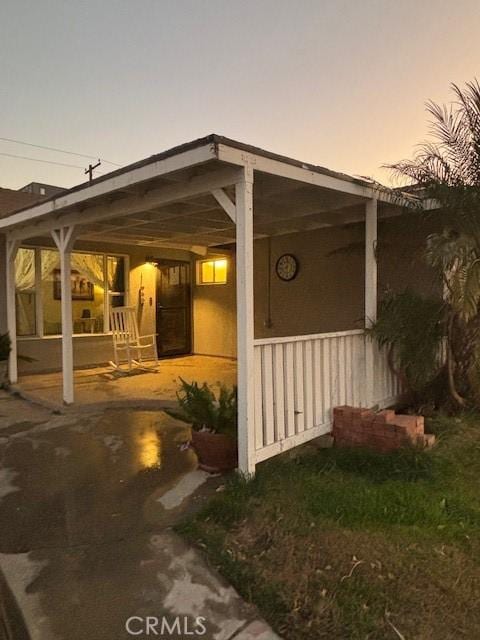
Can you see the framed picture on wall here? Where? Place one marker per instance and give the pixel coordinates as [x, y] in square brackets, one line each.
[82, 288]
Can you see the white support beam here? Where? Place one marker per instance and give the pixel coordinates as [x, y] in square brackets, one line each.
[245, 323]
[11, 252]
[224, 201]
[64, 238]
[370, 295]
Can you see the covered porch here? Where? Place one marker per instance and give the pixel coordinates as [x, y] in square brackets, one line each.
[98, 387]
[300, 349]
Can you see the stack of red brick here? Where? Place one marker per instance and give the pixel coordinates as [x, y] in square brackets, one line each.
[383, 431]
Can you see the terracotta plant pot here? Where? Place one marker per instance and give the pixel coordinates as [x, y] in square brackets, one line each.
[215, 451]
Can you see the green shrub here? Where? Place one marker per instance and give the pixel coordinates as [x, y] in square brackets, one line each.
[411, 328]
[199, 406]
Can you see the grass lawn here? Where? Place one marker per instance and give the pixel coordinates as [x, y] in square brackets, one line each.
[346, 544]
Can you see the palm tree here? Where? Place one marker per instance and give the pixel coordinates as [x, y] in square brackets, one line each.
[447, 170]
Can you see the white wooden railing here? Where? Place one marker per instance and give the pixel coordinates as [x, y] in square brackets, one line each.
[299, 379]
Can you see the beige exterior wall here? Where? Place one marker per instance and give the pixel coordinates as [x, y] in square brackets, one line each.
[326, 295]
[401, 260]
[214, 314]
[328, 292]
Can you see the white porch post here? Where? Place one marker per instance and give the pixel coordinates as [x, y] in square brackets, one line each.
[64, 239]
[245, 332]
[11, 252]
[370, 295]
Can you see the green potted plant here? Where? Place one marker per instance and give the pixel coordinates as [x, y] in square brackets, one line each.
[214, 423]
[4, 353]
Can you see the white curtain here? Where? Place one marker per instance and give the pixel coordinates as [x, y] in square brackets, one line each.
[50, 261]
[25, 284]
[89, 265]
[25, 268]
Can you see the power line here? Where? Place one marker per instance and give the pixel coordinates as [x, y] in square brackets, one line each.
[60, 164]
[70, 153]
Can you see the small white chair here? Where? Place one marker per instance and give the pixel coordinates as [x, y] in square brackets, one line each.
[124, 326]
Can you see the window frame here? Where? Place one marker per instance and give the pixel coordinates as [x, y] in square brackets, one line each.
[39, 326]
[200, 283]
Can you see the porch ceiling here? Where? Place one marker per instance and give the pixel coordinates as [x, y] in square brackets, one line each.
[176, 208]
[280, 206]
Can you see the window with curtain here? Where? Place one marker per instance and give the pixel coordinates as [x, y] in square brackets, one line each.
[51, 311]
[98, 283]
[25, 294]
[87, 282]
[88, 293]
[90, 274]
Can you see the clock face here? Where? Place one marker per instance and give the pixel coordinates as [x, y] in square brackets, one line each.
[287, 267]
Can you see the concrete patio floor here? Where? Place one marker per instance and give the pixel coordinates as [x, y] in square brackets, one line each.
[87, 502]
[103, 385]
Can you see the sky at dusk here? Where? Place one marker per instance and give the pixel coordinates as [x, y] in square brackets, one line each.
[340, 83]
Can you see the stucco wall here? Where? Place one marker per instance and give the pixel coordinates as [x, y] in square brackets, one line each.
[401, 249]
[328, 293]
[214, 314]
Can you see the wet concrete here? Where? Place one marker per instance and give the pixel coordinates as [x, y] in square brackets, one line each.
[86, 506]
[14, 412]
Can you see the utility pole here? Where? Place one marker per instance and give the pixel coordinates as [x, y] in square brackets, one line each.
[90, 169]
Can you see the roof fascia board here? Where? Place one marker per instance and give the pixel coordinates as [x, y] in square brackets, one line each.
[276, 167]
[122, 181]
[286, 170]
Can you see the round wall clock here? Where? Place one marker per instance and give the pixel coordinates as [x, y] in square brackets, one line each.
[287, 267]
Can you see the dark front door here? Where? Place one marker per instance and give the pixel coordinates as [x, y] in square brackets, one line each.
[173, 308]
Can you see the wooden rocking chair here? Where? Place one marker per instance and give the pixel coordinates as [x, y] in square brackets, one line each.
[124, 326]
